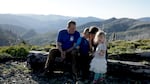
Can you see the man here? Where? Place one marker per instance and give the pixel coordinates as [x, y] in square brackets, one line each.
[66, 40]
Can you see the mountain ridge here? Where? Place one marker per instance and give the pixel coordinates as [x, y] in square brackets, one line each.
[43, 29]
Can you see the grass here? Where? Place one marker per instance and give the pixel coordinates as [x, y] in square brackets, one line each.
[43, 48]
[121, 46]
[114, 47]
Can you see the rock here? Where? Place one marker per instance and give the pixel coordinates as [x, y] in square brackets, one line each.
[127, 68]
[139, 56]
[144, 54]
[36, 59]
[1, 80]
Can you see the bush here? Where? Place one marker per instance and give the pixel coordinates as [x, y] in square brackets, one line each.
[22, 52]
[119, 47]
[16, 51]
[144, 47]
[117, 50]
[5, 56]
[144, 42]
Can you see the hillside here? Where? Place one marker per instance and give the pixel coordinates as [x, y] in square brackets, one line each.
[42, 23]
[38, 29]
[13, 33]
[43, 39]
[124, 28]
[8, 38]
[144, 19]
[42, 29]
[18, 30]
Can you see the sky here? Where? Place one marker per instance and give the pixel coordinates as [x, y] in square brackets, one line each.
[79, 8]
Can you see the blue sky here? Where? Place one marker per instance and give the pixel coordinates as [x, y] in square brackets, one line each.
[82, 8]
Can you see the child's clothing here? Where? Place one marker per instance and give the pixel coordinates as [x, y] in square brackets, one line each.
[98, 63]
[84, 46]
[84, 49]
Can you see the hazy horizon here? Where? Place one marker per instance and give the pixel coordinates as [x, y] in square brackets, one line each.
[22, 14]
[104, 9]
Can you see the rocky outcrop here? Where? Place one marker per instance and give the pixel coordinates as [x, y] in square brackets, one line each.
[140, 56]
[36, 59]
[123, 65]
[129, 69]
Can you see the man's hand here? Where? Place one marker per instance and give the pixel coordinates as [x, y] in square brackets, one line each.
[70, 49]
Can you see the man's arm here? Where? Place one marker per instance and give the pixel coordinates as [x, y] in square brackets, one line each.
[58, 44]
[63, 53]
[70, 49]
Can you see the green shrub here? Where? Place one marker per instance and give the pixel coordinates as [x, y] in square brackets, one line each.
[5, 55]
[144, 47]
[10, 50]
[16, 51]
[22, 52]
[113, 51]
[144, 42]
[117, 50]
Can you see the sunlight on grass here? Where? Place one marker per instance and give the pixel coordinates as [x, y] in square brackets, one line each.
[121, 46]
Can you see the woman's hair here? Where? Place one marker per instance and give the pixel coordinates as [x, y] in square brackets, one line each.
[98, 34]
[93, 30]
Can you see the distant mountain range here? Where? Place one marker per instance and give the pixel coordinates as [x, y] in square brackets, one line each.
[124, 28]
[42, 23]
[8, 38]
[38, 29]
[144, 19]
[42, 29]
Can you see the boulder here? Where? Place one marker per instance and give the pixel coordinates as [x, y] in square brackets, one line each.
[129, 69]
[140, 56]
[36, 60]
[127, 66]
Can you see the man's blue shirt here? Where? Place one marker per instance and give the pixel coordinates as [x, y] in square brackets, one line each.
[67, 40]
